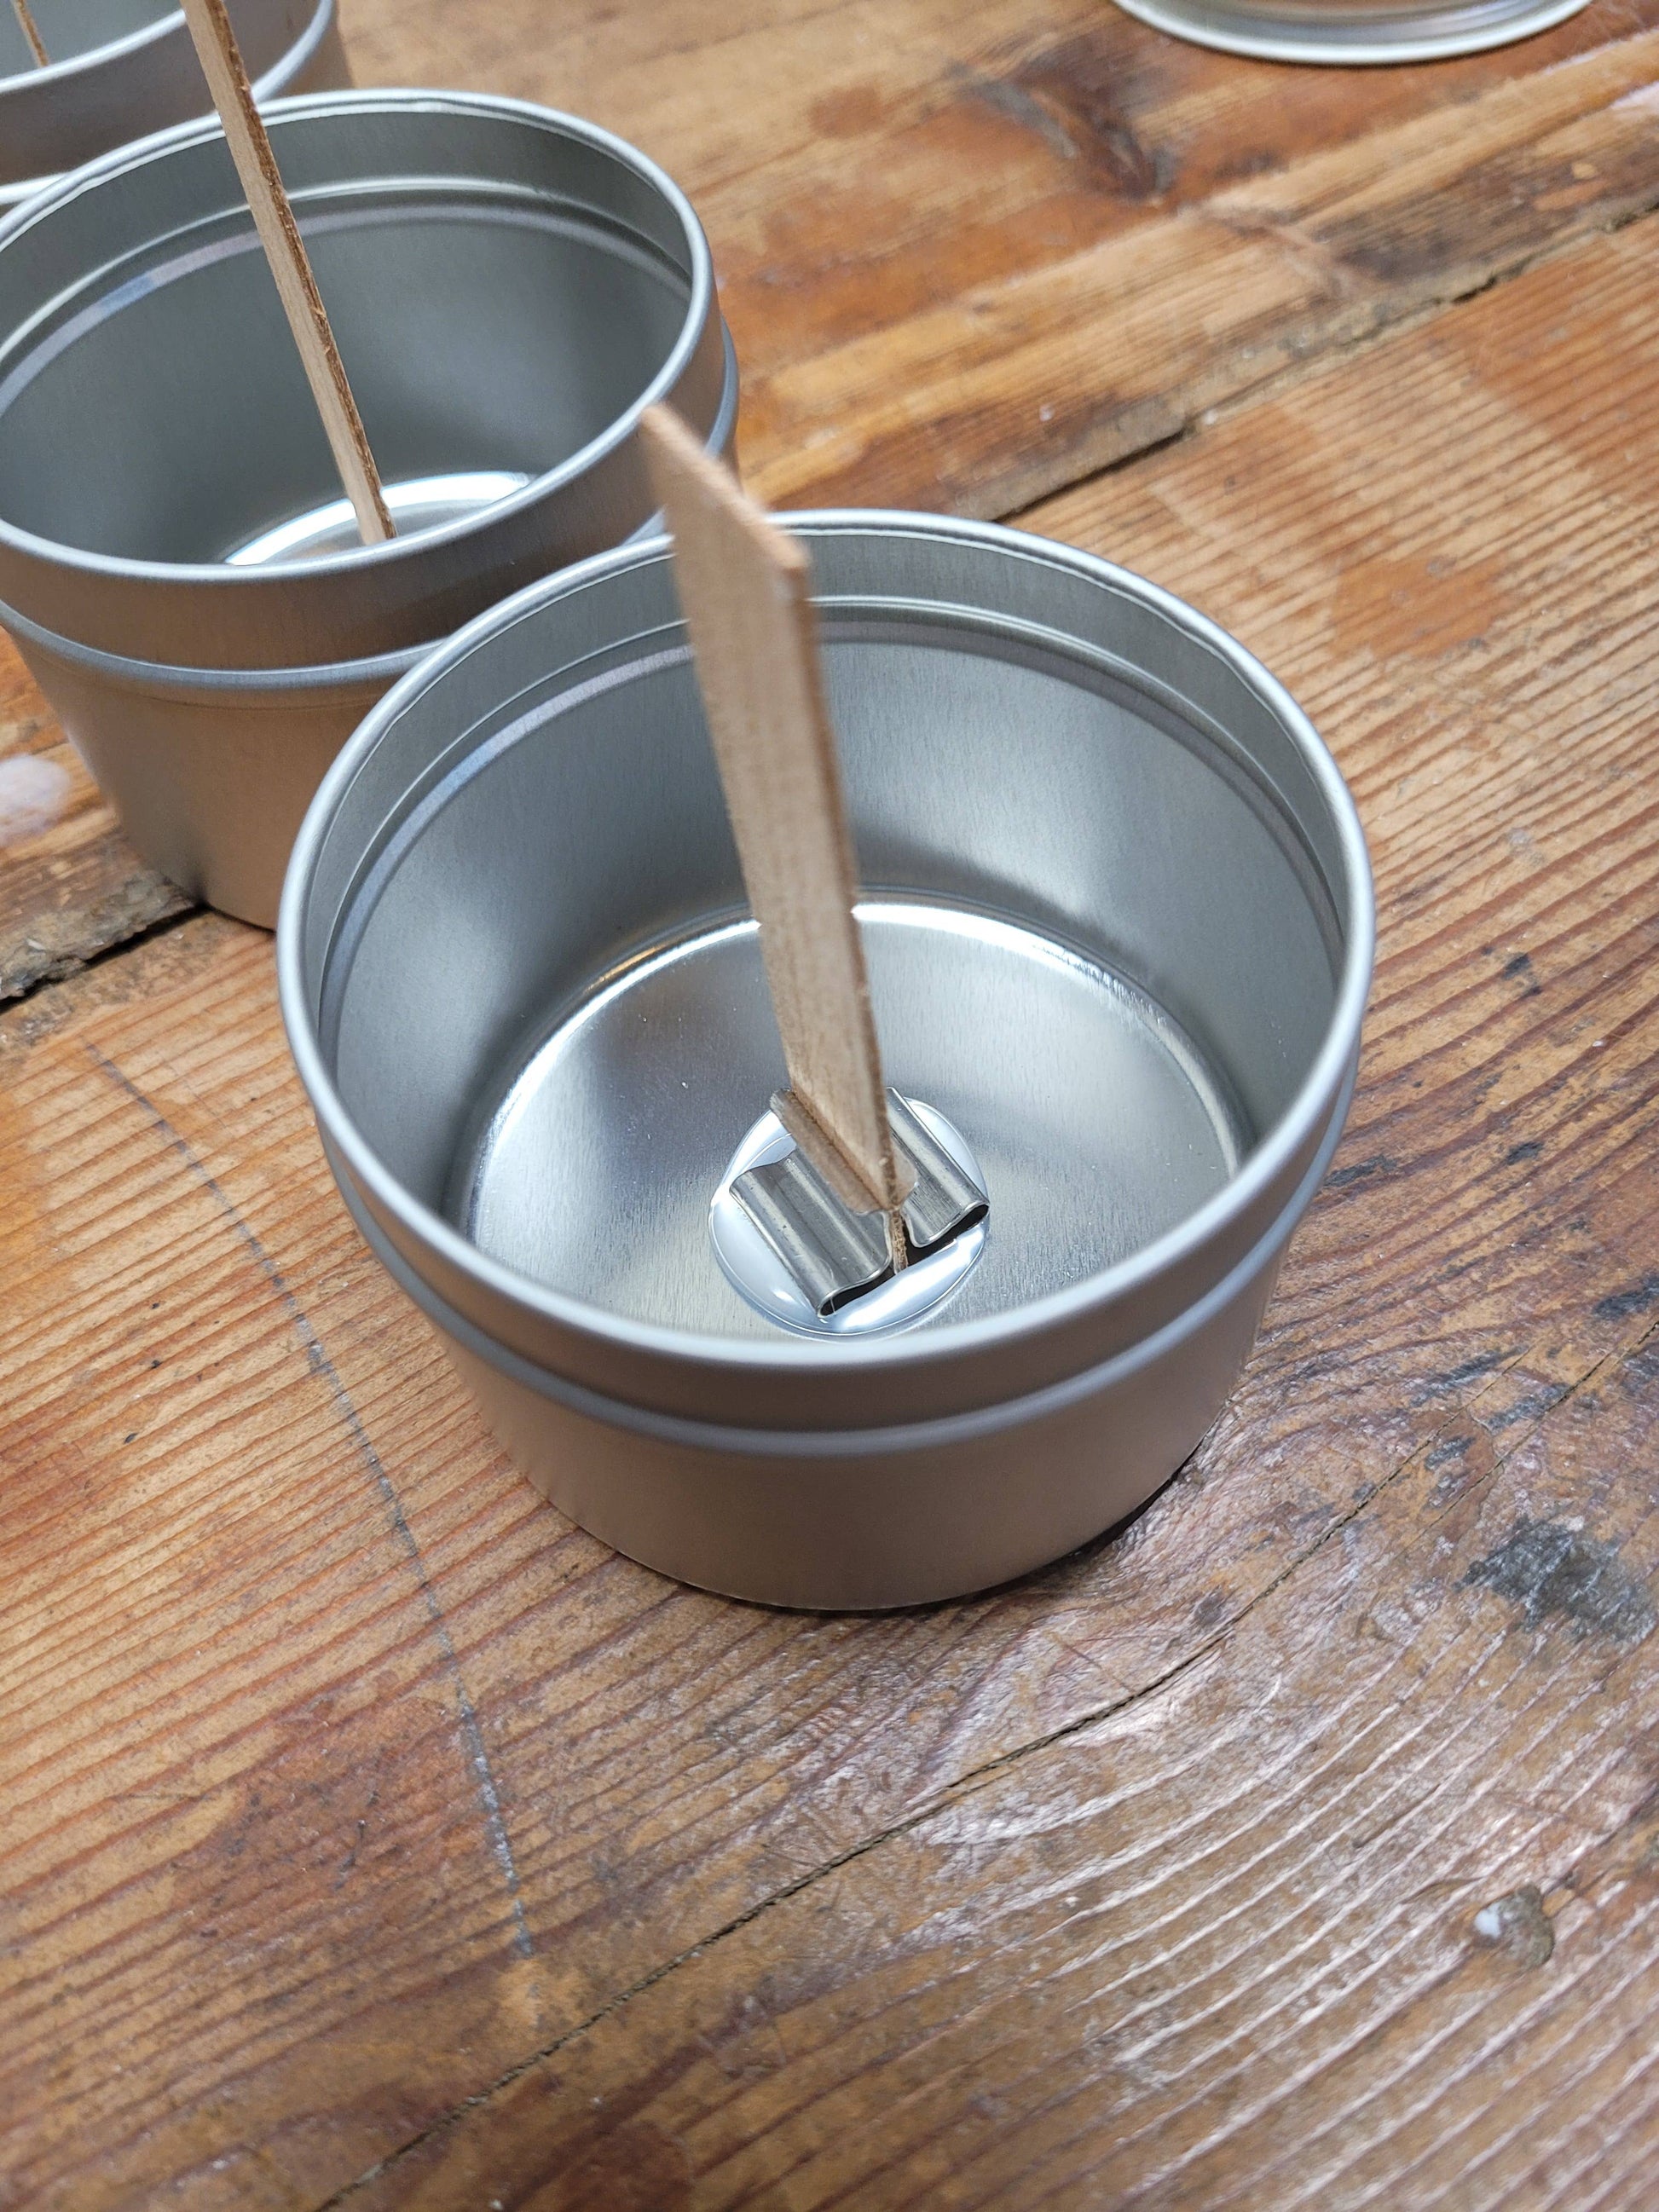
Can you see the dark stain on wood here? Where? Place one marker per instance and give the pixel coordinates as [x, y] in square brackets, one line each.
[1620, 1305]
[1553, 1572]
[1361, 1171]
[1088, 96]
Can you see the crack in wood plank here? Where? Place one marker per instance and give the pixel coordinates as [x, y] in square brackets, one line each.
[976, 1778]
[322, 1367]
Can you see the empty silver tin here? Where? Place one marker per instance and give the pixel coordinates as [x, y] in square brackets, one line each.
[510, 289]
[1354, 33]
[1118, 916]
[121, 69]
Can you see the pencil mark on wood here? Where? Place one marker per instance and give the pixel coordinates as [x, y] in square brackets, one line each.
[1553, 1572]
[323, 1367]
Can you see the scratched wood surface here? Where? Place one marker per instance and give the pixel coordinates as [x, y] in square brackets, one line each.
[368, 1835]
[972, 249]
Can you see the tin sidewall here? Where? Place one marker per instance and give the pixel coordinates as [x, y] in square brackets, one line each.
[1287, 38]
[858, 1520]
[63, 116]
[383, 598]
[942, 1369]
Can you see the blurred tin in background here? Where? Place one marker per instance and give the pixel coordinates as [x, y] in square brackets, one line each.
[119, 70]
[509, 288]
[1118, 919]
[1354, 33]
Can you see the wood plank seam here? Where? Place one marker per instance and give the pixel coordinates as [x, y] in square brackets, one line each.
[147, 893]
[317, 1358]
[1600, 1370]
[1340, 347]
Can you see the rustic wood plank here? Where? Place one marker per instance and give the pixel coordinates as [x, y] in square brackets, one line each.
[1325, 1919]
[70, 885]
[349, 1778]
[971, 252]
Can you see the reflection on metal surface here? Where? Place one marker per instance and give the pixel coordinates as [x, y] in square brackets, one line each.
[832, 1276]
[421, 503]
[1358, 35]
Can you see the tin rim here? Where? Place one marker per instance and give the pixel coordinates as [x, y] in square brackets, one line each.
[220, 576]
[16, 191]
[1314, 1103]
[1300, 39]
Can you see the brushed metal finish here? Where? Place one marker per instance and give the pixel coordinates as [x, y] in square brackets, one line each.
[1352, 32]
[123, 69]
[211, 770]
[510, 289]
[781, 1271]
[827, 1257]
[1120, 921]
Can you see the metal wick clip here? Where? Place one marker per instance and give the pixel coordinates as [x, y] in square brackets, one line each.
[835, 1251]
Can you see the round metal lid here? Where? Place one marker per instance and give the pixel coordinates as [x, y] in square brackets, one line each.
[1358, 35]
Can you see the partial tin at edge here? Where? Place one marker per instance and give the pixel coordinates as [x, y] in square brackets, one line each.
[1358, 36]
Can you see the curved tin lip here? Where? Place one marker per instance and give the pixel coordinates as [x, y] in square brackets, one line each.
[170, 679]
[818, 1441]
[270, 576]
[181, 679]
[1284, 38]
[94, 57]
[16, 191]
[1320, 1087]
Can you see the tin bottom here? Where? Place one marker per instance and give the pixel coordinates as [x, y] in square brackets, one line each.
[1097, 1123]
[1351, 36]
[420, 504]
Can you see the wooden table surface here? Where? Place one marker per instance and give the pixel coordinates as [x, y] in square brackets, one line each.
[371, 1836]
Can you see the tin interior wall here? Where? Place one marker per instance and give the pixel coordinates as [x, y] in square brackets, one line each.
[484, 335]
[585, 834]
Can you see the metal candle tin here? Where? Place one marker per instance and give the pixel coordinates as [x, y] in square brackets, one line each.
[1351, 32]
[1118, 921]
[120, 68]
[510, 288]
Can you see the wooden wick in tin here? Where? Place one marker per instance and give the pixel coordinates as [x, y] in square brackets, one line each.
[27, 23]
[291, 266]
[745, 587]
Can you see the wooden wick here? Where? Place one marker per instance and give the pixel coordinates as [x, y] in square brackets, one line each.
[25, 15]
[744, 588]
[302, 303]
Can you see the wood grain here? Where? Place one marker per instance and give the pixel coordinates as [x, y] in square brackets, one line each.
[970, 249]
[289, 263]
[70, 885]
[348, 1779]
[27, 24]
[744, 588]
[971, 252]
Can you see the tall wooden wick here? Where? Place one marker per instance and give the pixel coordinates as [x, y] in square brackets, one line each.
[744, 588]
[302, 303]
[27, 24]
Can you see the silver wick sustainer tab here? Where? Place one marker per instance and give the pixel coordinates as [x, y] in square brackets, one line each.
[807, 1259]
